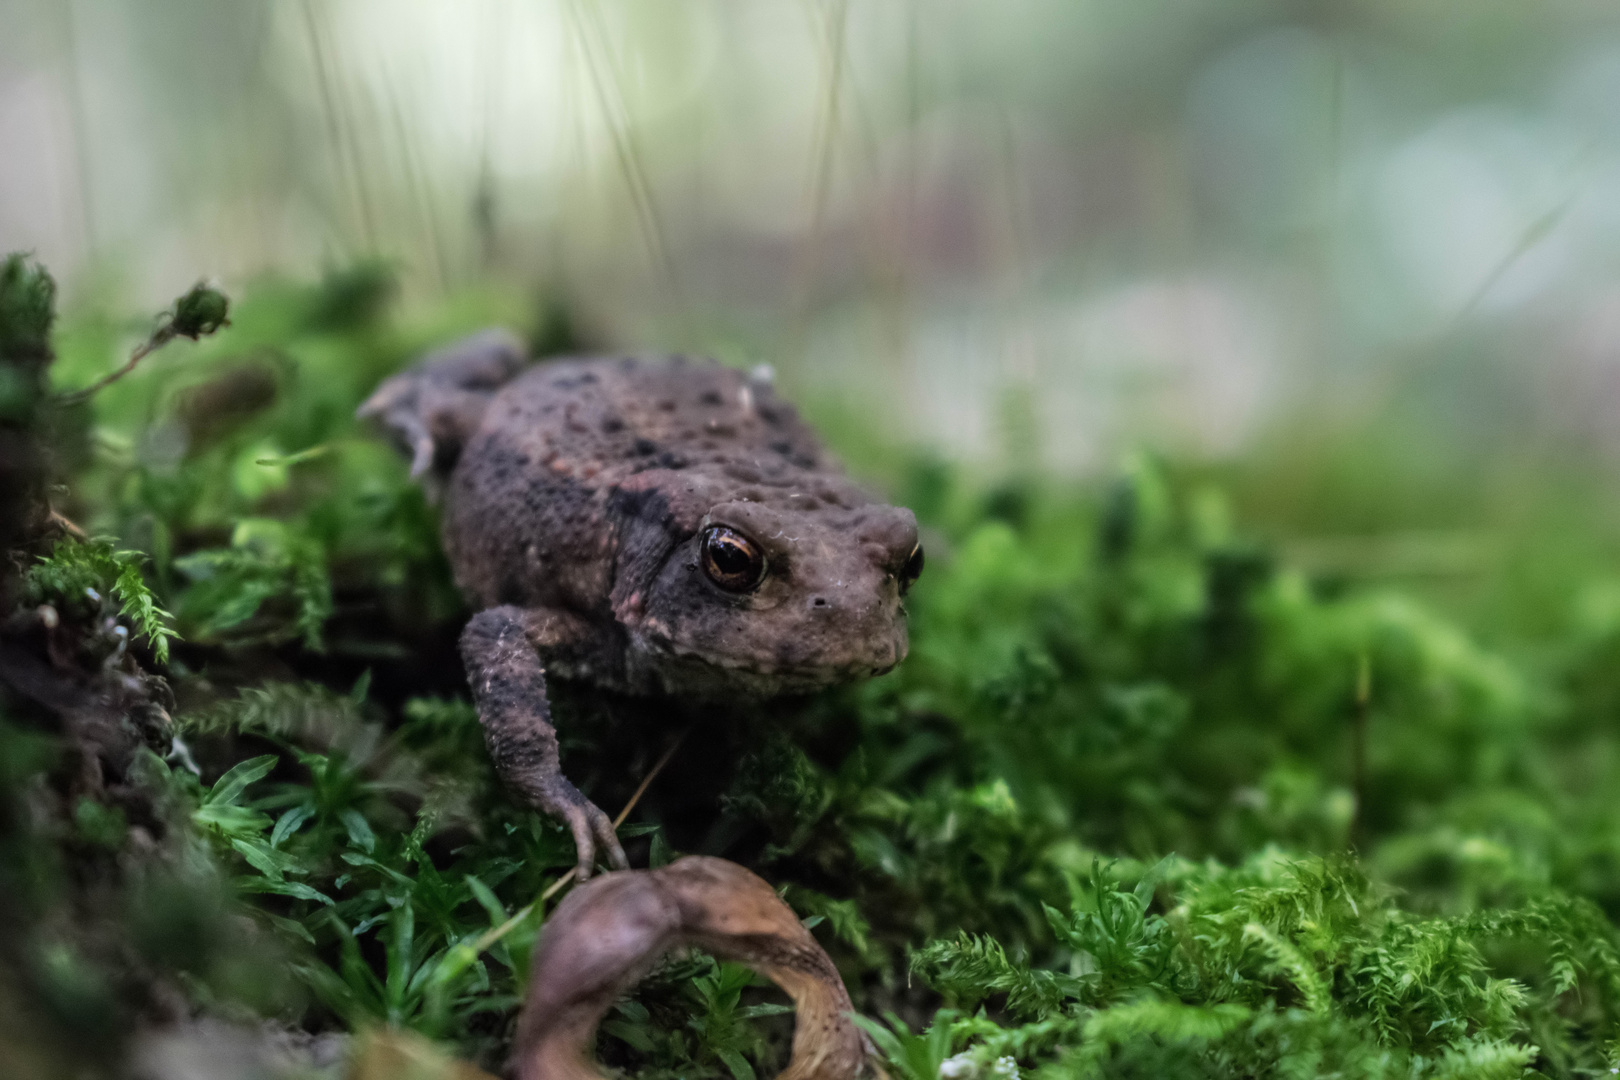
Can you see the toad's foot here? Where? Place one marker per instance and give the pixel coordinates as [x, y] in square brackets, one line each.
[590, 826]
[434, 407]
[509, 688]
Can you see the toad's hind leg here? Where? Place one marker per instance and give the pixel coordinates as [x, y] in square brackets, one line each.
[435, 406]
[509, 688]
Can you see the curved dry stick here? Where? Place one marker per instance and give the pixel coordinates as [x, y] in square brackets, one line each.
[609, 933]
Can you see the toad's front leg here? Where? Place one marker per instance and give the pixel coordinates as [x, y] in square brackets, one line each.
[509, 688]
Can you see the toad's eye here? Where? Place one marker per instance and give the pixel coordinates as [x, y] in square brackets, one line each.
[910, 572]
[731, 560]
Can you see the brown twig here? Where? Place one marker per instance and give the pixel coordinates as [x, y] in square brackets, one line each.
[652, 774]
[822, 154]
[196, 315]
[608, 81]
[65, 524]
[162, 337]
[605, 936]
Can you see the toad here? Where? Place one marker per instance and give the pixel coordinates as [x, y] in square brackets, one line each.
[654, 526]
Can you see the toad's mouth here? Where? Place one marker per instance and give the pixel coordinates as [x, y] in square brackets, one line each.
[690, 670]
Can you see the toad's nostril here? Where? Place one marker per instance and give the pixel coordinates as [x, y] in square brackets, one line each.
[818, 601]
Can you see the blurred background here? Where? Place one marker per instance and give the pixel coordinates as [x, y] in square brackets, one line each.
[1254, 368]
[1366, 237]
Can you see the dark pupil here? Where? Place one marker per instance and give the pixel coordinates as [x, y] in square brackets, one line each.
[913, 569]
[730, 556]
[732, 561]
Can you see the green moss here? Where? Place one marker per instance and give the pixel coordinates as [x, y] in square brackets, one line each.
[27, 309]
[82, 574]
[1102, 816]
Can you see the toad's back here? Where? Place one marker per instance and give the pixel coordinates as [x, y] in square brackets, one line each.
[571, 449]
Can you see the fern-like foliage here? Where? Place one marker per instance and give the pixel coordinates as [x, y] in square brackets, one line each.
[285, 711]
[267, 562]
[27, 310]
[972, 967]
[83, 573]
[1308, 944]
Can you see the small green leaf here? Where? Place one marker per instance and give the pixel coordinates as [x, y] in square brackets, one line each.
[354, 858]
[359, 829]
[290, 822]
[631, 830]
[488, 900]
[231, 820]
[295, 889]
[298, 458]
[291, 927]
[740, 1069]
[267, 861]
[636, 1036]
[228, 788]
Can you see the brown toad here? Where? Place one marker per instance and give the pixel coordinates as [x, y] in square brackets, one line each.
[654, 526]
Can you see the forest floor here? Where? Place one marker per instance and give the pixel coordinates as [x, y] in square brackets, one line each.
[1151, 797]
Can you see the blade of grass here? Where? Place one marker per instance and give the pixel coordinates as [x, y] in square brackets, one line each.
[488, 940]
[821, 160]
[416, 184]
[345, 153]
[609, 89]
